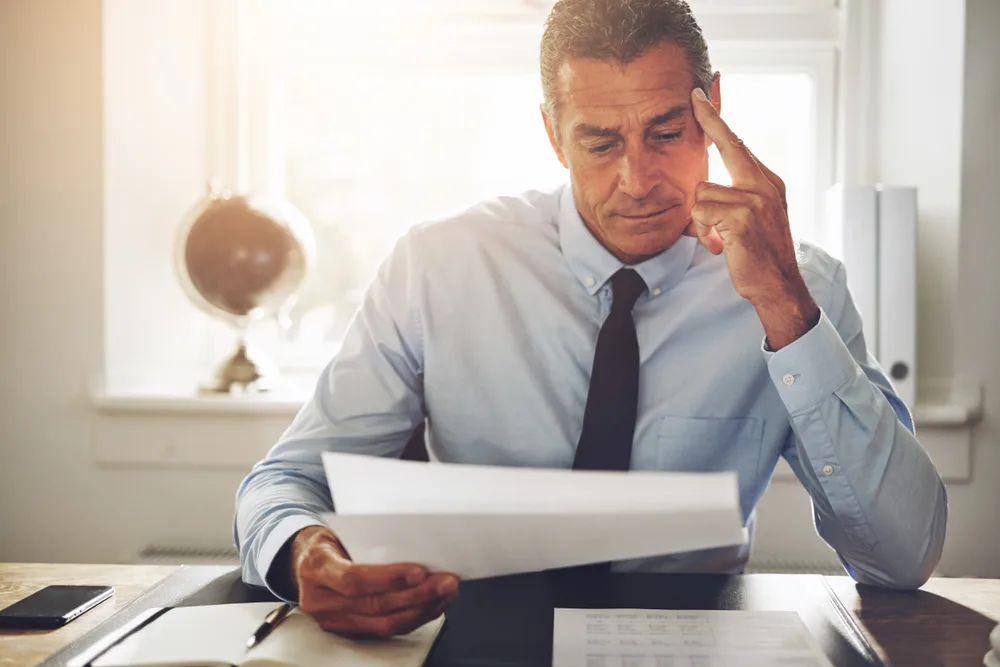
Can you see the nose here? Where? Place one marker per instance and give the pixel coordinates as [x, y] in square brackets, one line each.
[637, 173]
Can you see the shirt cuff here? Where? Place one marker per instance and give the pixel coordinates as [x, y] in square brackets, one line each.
[811, 368]
[276, 539]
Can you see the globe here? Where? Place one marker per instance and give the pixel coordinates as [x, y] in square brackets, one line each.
[244, 259]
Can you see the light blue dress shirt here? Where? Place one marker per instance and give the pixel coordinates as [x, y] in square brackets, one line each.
[485, 324]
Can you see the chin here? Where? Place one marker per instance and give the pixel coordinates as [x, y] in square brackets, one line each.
[647, 245]
[650, 243]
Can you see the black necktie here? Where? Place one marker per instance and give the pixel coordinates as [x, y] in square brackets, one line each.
[613, 398]
[612, 403]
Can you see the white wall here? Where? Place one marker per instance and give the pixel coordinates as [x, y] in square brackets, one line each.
[55, 503]
[58, 504]
[155, 93]
[975, 516]
[938, 97]
[919, 142]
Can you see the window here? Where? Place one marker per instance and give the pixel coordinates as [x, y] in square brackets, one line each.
[308, 98]
[371, 118]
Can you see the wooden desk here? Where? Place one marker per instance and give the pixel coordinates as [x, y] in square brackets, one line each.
[946, 623]
[21, 649]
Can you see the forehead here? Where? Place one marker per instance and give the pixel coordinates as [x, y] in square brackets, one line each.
[593, 90]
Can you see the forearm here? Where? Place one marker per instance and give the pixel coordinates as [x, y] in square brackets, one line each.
[787, 313]
[882, 506]
[878, 499]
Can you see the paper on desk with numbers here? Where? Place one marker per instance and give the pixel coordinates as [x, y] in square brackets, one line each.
[655, 638]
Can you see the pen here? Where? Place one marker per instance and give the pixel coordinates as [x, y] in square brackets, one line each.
[271, 621]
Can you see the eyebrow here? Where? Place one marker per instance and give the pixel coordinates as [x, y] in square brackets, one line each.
[673, 114]
[585, 130]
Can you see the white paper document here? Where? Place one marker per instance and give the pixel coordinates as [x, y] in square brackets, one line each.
[484, 521]
[654, 638]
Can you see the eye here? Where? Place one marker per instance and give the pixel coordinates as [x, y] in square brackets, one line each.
[601, 149]
[666, 136]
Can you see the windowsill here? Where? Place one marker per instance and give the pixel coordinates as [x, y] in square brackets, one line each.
[948, 404]
[179, 427]
[181, 396]
[265, 404]
[288, 401]
[946, 415]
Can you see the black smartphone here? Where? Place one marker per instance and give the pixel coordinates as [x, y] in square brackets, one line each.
[53, 606]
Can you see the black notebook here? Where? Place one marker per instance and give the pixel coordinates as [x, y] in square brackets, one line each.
[508, 621]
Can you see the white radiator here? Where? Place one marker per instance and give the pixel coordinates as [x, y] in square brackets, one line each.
[186, 555]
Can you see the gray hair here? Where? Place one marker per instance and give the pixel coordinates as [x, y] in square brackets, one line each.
[620, 31]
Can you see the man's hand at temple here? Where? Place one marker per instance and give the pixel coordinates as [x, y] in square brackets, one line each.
[749, 223]
[364, 600]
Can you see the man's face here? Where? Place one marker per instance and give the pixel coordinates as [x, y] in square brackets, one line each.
[635, 153]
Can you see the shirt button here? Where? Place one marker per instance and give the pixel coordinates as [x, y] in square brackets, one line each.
[657, 291]
[788, 379]
[588, 281]
[827, 470]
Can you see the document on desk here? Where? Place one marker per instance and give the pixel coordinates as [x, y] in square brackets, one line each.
[484, 521]
[654, 638]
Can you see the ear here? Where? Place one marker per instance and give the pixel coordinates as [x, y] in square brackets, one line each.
[716, 95]
[553, 138]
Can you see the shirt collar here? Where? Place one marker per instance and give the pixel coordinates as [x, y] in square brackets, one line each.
[593, 265]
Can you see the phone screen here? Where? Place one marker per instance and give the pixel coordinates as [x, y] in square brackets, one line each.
[55, 604]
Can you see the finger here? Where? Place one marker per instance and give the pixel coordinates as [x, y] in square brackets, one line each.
[433, 591]
[430, 614]
[712, 220]
[715, 215]
[707, 235]
[772, 178]
[740, 164]
[358, 625]
[401, 622]
[707, 191]
[354, 580]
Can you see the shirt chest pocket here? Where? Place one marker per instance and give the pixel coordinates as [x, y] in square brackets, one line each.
[706, 444]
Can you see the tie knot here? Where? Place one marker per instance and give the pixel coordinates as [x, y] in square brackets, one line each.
[626, 286]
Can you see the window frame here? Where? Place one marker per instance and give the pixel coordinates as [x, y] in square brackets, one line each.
[244, 144]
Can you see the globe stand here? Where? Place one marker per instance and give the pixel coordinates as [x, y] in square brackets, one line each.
[247, 369]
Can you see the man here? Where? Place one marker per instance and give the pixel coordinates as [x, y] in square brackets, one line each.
[640, 318]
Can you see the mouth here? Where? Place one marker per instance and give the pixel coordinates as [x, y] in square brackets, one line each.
[648, 216]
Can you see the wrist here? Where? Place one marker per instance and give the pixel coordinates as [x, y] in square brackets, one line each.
[787, 314]
[310, 536]
[296, 550]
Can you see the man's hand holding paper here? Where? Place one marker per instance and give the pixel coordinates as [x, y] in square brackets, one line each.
[357, 599]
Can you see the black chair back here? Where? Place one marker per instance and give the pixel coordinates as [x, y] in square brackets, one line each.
[416, 447]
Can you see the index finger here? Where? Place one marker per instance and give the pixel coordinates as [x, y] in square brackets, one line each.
[740, 164]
